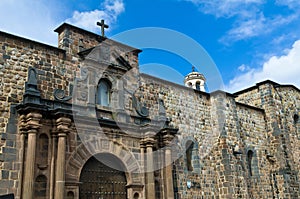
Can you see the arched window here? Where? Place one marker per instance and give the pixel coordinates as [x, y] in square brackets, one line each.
[70, 195]
[297, 124]
[136, 196]
[103, 93]
[296, 118]
[249, 161]
[189, 152]
[198, 86]
[40, 187]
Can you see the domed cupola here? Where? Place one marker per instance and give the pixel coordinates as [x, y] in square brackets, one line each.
[195, 80]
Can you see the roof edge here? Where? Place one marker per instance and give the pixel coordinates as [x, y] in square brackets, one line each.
[31, 41]
[265, 82]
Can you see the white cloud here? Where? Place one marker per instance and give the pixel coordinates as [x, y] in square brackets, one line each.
[252, 27]
[243, 68]
[283, 69]
[31, 19]
[245, 29]
[248, 15]
[292, 4]
[87, 20]
[228, 8]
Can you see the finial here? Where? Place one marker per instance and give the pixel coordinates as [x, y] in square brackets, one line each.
[193, 68]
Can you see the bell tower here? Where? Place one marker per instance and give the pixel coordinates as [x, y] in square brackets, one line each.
[195, 80]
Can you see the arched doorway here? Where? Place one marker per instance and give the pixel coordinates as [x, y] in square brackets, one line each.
[103, 179]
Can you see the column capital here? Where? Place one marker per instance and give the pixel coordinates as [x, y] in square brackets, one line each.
[149, 139]
[62, 125]
[167, 139]
[149, 142]
[31, 121]
[22, 124]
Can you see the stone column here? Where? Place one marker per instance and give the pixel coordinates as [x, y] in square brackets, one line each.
[22, 129]
[52, 165]
[142, 150]
[150, 184]
[32, 126]
[63, 124]
[168, 178]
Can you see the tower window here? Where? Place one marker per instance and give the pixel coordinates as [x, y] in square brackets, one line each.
[189, 153]
[103, 93]
[249, 161]
[198, 86]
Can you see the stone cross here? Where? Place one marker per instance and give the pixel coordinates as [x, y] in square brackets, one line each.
[103, 26]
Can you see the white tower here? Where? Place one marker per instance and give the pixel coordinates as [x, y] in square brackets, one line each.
[195, 80]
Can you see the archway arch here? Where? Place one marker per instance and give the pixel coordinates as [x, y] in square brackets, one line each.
[98, 145]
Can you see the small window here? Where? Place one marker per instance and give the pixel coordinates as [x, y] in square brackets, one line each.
[189, 153]
[136, 196]
[296, 118]
[249, 161]
[198, 86]
[70, 195]
[103, 93]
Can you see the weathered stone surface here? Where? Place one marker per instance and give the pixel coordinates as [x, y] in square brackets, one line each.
[245, 145]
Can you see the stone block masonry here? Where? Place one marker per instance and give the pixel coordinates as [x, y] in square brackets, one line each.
[241, 145]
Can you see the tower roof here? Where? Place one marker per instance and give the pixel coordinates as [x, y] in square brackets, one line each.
[194, 75]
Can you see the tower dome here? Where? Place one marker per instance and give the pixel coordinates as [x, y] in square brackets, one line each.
[195, 80]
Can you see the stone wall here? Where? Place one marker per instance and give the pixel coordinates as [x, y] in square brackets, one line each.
[250, 96]
[281, 104]
[245, 145]
[224, 170]
[17, 55]
[219, 170]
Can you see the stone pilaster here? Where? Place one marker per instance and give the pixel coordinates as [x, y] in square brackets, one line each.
[22, 130]
[63, 124]
[32, 126]
[52, 165]
[168, 178]
[142, 150]
[150, 184]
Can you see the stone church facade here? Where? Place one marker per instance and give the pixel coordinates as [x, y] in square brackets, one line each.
[81, 121]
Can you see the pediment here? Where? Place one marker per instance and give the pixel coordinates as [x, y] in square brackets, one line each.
[110, 53]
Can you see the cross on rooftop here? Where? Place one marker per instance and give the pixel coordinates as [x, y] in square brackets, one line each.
[193, 68]
[103, 26]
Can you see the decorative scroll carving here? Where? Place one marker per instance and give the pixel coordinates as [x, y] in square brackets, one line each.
[140, 108]
[60, 95]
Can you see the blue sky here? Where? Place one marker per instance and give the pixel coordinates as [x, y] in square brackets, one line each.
[248, 40]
